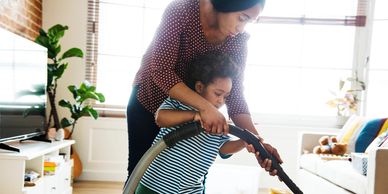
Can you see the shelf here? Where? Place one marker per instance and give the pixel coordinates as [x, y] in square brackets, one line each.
[33, 149]
[31, 157]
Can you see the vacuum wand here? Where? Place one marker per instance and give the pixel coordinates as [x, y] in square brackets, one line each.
[250, 138]
[193, 129]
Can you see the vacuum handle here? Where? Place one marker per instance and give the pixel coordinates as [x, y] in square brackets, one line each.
[186, 131]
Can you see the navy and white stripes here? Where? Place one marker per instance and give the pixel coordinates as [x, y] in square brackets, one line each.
[181, 169]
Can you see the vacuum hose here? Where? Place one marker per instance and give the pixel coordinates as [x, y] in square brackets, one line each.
[190, 130]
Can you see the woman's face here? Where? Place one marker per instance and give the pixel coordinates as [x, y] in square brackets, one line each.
[232, 23]
[216, 91]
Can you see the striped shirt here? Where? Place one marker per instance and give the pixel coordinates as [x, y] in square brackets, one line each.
[181, 169]
[179, 39]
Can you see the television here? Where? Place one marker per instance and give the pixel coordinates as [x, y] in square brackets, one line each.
[23, 77]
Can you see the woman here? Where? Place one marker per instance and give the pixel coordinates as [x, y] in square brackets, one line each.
[211, 77]
[188, 29]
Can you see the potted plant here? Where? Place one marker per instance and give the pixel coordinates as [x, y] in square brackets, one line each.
[56, 66]
[78, 109]
[346, 99]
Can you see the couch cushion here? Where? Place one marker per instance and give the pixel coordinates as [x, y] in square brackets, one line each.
[339, 172]
[309, 162]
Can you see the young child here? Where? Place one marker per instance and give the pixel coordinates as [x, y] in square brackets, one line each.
[181, 169]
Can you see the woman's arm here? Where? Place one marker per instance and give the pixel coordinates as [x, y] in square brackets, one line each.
[244, 121]
[170, 118]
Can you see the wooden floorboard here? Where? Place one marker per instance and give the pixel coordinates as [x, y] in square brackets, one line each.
[97, 187]
[104, 187]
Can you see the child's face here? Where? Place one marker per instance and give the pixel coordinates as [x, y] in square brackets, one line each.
[216, 91]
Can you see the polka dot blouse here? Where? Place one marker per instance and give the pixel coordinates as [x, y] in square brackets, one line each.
[178, 39]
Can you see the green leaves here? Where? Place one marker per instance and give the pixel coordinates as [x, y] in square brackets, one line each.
[50, 40]
[73, 52]
[77, 109]
[66, 122]
[86, 91]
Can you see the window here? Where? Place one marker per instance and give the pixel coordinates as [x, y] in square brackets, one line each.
[115, 48]
[376, 98]
[297, 53]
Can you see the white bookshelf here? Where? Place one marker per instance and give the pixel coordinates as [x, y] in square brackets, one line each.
[31, 156]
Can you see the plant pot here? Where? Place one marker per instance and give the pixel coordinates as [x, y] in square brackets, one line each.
[77, 163]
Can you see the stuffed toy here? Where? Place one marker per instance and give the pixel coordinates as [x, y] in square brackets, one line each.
[330, 145]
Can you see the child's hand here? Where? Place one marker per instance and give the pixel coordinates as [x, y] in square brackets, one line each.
[197, 117]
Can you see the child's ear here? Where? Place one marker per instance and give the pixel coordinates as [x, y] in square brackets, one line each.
[199, 86]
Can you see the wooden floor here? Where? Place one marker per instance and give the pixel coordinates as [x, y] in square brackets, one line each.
[102, 187]
[97, 187]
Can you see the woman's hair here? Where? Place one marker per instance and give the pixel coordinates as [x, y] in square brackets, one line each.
[235, 5]
[210, 66]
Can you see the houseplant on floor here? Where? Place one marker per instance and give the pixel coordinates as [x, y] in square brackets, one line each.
[56, 66]
[78, 109]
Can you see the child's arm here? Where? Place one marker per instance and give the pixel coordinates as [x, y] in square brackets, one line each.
[232, 147]
[170, 118]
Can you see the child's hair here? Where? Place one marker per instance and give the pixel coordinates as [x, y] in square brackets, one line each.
[210, 66]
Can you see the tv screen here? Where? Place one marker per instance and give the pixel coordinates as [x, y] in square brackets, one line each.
[23, 76]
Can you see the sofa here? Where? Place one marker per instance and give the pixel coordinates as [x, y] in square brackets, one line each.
[339, 176]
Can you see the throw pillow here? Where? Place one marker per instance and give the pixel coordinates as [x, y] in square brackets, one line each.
[348, 126]
[384, 128]
[350, 131]
[368, 133]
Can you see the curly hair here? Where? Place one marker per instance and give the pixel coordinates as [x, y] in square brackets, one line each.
[210, 66]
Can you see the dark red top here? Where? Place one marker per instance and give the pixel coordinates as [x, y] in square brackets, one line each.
[179, 38]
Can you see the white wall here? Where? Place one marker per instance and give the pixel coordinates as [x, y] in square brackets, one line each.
[103, 148]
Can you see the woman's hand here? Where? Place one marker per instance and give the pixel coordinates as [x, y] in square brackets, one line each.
[213, 121]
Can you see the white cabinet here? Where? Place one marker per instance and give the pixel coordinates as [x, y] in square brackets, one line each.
[32, 156]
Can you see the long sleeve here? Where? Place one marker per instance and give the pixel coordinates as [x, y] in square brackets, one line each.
[236, 102]
[165, 48]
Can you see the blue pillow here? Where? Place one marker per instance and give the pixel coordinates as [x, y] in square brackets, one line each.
[368, 134]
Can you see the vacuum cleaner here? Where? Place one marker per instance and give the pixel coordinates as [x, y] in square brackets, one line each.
[190, 130]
